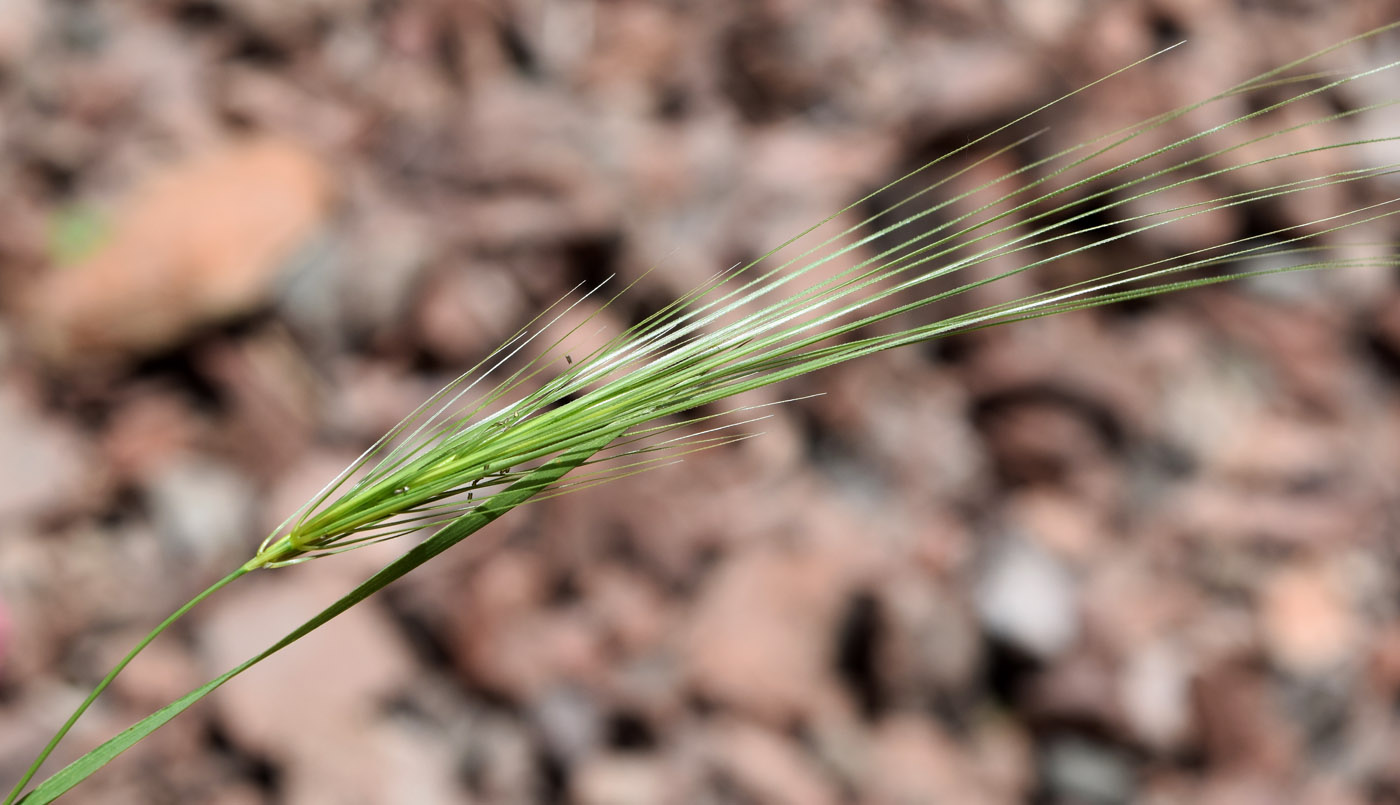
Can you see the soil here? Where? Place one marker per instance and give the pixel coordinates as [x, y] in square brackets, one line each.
[1137, 554]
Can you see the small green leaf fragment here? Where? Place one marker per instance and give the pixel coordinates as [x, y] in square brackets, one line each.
[75, 232]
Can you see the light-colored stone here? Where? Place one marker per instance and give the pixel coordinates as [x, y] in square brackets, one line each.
[760, 639]
[620, 780]
[202, 507]
[1084, 771]
[1028, 598]
[42, 466]
[464, 314]
[19, 26]
[1155, 690]
[569, 719]
[1306, 621]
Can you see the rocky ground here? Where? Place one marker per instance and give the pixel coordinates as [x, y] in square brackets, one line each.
[1139, 555]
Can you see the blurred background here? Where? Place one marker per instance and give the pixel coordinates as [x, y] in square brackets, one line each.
[1133, 555]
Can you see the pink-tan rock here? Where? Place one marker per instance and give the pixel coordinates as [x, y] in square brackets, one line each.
[196, 244]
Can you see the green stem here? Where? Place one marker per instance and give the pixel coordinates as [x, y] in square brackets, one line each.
[111, 675]
[493, 507]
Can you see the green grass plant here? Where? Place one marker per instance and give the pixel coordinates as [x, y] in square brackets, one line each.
[514, 429]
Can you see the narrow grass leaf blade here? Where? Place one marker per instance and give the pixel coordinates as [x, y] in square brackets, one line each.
[489, 510]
